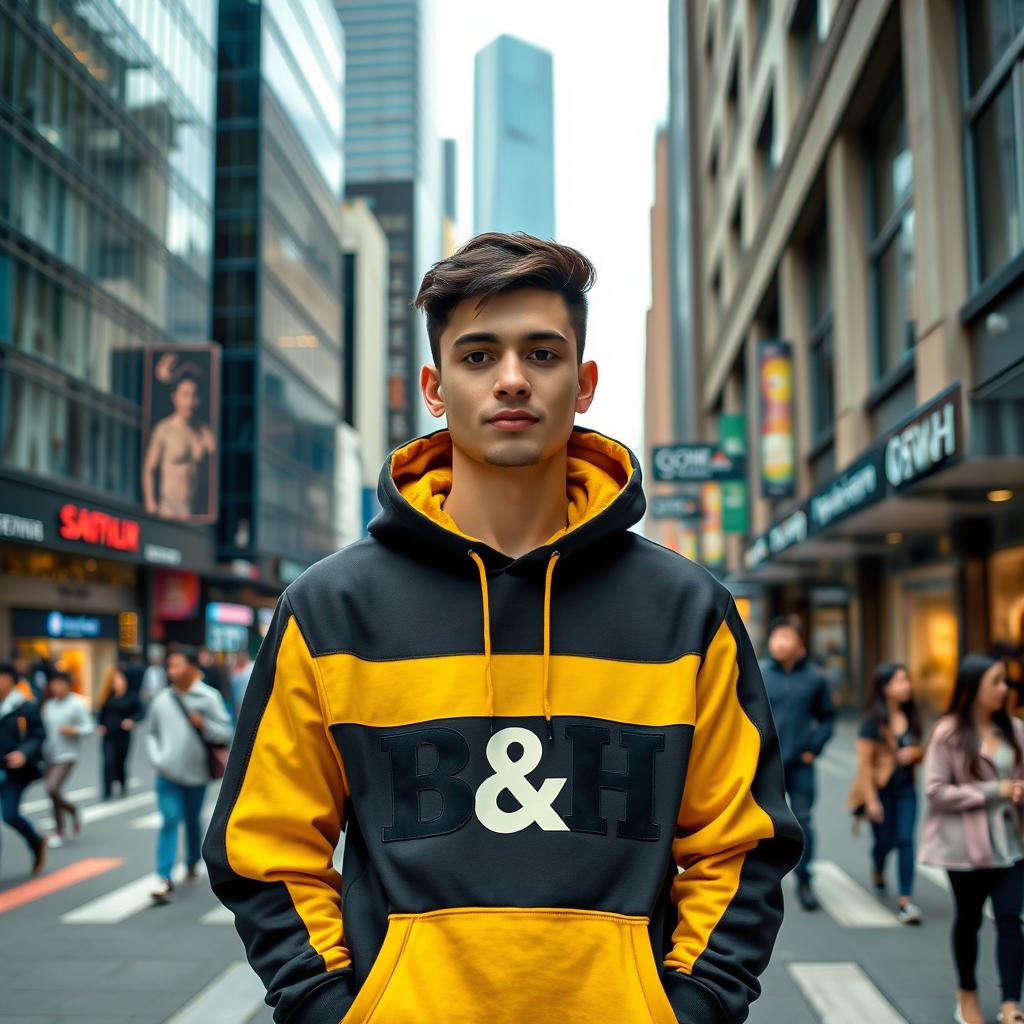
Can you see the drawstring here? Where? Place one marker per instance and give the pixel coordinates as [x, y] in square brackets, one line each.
[547, 642]
[482, 569]
[487, 633]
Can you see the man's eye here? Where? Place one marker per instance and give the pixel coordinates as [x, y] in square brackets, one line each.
[476, 357]
[545, 355]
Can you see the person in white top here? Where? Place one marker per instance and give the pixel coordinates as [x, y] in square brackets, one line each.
[67, 719]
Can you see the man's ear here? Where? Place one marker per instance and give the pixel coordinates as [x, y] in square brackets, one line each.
[587, 385]
[433, 395]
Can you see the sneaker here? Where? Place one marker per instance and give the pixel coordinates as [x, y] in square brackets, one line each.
[878, 880]
[55, 841]
[164, 893]
[76, 825]
[909, 914]
[193, 873]
[39, 856]
[805, 895]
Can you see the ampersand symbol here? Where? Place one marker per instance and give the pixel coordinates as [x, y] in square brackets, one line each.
[534, 804]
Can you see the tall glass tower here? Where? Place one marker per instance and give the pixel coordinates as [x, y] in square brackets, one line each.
[514, 157]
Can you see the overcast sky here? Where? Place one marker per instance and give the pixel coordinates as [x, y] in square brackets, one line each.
[611, 87]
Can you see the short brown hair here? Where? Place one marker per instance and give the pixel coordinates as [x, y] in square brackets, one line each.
[494, 262]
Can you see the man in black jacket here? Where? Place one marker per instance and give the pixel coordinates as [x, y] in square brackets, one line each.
[804, 718]
[21, 743]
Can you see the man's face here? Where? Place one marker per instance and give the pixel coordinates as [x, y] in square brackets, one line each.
[785, 644]
[7, 682]
[179, 669]
[509, 381]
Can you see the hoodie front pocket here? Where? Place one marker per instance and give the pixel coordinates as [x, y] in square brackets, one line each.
[510, 965]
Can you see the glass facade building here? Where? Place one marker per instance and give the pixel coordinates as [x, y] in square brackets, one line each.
[513, 137]
[106, 191]
[278, 279]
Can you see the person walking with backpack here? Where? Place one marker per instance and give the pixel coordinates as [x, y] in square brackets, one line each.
[974, 785]
[21, 745]
[888, 750]
[67, 719]
[183, 721]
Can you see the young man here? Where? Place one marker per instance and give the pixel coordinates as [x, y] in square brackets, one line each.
[525, 717]
[66, 719]
[181, 719]
[804, 717]
[21, 745]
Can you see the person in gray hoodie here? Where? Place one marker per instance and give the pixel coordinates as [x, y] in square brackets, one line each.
[181, 720]
[67, 719]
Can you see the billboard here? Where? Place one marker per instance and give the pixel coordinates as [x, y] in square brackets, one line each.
[778, 442]
[180, 431]
[732, 436]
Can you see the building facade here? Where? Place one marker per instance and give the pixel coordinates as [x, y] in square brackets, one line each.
[514, 139]
[278, 283]
[857, 192]
[106, 199]
[393, 161]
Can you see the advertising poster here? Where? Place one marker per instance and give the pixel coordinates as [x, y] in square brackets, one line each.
[712, 536]
[180, 428]
[778, 444]
[732, 439]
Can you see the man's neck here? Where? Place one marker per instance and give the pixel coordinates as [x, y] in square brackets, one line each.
[511, 509]
[185, 686]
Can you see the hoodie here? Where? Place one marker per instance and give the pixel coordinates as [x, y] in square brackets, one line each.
[802, 707]
[523, 754]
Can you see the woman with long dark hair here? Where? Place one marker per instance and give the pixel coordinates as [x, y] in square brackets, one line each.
[974, 783]
[120, 711]
[888, 749]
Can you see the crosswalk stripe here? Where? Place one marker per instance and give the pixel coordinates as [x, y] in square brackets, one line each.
[842, 993]
[75, 796]
[121, 903]
[219, 915]
[100, 812]
[848, 903]
[88, 867]
[231, 998]
[151, 820]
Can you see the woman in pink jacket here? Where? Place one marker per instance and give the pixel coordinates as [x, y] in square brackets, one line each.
[973, 774]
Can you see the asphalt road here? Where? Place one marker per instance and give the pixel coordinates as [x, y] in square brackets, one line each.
[84, 944]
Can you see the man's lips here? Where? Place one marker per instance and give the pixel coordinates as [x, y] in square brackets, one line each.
[513, 419]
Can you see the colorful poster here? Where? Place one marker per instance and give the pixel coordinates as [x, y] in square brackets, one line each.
[180, 431]
[778, 442]
[712, 536]
[732, 439]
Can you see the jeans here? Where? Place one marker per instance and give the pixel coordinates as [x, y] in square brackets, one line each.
[10, 805]
[1005, 887]
[178, 805]
[116, 744]
[56, 776]
[896, 832]
[800, 788]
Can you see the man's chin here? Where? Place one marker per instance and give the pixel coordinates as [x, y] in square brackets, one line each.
[513, 454]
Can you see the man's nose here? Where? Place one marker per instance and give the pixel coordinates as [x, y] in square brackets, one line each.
[511, 380]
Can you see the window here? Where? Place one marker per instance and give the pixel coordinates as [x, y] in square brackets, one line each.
[809, 25]
[767, 154]
[992, 121]
[819, 319]
[733, 106]
[891, 231]
[762, 16]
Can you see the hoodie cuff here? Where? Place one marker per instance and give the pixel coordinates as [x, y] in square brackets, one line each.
[692, 1001]
[329, 1002]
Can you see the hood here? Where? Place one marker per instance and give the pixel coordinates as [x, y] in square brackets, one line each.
[603, 493]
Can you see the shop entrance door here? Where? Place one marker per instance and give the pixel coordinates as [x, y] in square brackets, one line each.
[933, 641]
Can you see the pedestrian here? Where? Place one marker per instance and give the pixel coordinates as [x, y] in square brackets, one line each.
[974, 786]
[524, 715]
[21, 746]
[240, 673]
[213, 673]
[120, 711]
[804, 716]
[181, 720]
[888, 750]
[66, 719]
[154, 679]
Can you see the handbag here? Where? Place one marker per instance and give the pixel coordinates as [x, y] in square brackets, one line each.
[883, 764]
[216, 753]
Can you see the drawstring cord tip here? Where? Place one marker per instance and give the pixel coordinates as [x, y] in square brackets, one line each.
[551, 731]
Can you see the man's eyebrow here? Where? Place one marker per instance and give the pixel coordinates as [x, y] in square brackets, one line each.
[478, 337]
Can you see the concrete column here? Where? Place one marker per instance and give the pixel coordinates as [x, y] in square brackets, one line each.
[847, 232]
[931, 82]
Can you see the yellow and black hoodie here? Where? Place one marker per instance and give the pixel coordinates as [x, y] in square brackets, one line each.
[522, 752]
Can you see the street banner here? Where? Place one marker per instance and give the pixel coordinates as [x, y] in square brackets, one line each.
[674, 506]
[732, 438]
[180, 430]
[778, 443]
[712, 536]
[695, 463]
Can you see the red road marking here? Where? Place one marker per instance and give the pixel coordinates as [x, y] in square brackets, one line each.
[88, 867]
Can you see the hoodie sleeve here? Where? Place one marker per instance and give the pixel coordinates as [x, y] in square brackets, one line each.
[271, 843]
[735, 840]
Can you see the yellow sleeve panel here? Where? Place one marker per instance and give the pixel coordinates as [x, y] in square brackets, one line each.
[719, 819]
[294, 780]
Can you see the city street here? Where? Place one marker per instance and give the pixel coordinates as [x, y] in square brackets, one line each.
[86, 946]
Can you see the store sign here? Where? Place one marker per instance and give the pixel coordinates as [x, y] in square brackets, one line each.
[695, 463]
[787, 534]
[21, 528]
[158, 554]
[732, 435]
[928, 441]
[673, 506]
[860, 485]
[225, 614]
[757, 552]
[91, 526]
[175, 595]
[60, 625]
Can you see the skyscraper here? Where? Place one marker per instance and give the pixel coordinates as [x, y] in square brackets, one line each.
[393, 160]
[514, 158]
